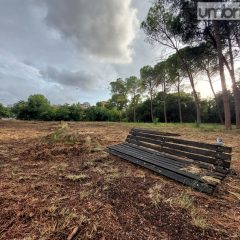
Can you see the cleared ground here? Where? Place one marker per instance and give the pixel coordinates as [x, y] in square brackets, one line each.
[55, 177]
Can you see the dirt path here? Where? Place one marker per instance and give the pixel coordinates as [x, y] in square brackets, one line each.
[51, 184]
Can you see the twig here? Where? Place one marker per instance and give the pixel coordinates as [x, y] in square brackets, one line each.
[73, 234]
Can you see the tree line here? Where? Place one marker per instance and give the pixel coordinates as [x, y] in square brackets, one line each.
[128, 108]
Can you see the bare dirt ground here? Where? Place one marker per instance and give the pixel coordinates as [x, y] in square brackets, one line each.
[54, 178]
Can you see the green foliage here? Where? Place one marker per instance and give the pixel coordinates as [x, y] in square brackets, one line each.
[102, 114]
[158, 25]
[39, 107]
[20, 110]
[4, 112]
[36, 108]
[143, 114]
[148, 77]
[155, 121]
[62, 113]
[119, 90]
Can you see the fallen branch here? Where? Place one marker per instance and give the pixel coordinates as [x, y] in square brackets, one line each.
[73, 234]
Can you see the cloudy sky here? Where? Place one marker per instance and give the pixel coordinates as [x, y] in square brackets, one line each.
[69, 50]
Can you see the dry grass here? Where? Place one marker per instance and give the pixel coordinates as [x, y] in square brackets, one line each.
[106, 197]
[84, 194]
[199, 221]
[99, 170]
[91, 145]
[155, 194]
[185, 201]
[79, 177]
[62, 134]
[192, 169]
[210, 179]
[65, 135]
[112, 173]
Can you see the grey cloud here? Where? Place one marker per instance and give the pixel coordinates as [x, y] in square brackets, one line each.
[84, 80]
[144, 53]
[26, 80]
[104, 29]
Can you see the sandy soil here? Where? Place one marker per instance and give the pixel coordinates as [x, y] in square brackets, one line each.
[52, 182]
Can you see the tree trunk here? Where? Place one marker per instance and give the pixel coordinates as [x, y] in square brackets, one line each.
[151, 107]
[134, 113]
[227, 113]
[164, 101]
[236, 92]
[215, 97]
[196, 98]
[179, 101]
[120, 116]
[237, 39]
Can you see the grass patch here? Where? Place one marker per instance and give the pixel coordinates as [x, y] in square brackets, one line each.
[199, 221]
[203, 127]
[60, 166]
[97, 147]
[186, 202]
[61, 135]
[98, 170]
[192, 169]
[90, 145]
[85, 194]
[59, 224]
[79, 177]
[114, 175]
[111, 177]
[155, 195]
[210, 180]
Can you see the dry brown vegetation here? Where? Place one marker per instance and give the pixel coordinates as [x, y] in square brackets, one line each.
[55, 177]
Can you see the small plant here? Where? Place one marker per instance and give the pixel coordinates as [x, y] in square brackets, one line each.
[97, 147]
[155, 121]
[91, 145]
[184, 201]
[87, 145]
[210, 179]
[61, 135]
[197, 125]
[198, 221]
